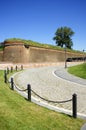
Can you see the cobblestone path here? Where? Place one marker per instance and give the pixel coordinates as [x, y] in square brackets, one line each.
[53, 86]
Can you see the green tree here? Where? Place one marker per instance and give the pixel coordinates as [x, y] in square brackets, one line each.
[63, 37]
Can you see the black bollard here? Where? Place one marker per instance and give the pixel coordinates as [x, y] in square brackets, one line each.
[12, 84]
[21, 67]
[7, 70]
[74, 105]
[29, 92]
[5, 76]
[16, 68]
[11, 69]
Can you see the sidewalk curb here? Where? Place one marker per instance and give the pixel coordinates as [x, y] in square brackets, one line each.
[83, 127]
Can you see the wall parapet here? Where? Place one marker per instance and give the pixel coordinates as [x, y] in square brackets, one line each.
[19, 52]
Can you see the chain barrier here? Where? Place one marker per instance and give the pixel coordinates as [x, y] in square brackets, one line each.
[13, 85]
[74, 102]
[19, 88]
[7, 71]
[51, 100]
[29, 90]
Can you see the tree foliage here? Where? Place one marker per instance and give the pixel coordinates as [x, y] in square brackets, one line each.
[63, 37]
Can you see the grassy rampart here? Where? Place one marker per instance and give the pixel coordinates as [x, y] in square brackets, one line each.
[37, 44]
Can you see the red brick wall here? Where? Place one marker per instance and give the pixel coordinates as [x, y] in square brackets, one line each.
[1, 55]
[49, 55]
[18, 53]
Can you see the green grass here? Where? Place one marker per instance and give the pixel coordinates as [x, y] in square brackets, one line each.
[16, 113]
[78, 70]
[43, 45]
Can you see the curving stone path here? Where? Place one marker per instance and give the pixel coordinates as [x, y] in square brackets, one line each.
[52, 83]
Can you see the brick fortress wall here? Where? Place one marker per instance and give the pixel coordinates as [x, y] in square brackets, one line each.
[1, 55]
[17, 52]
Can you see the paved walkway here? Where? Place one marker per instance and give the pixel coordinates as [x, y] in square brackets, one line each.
[54, 83]
[83, 127]
[63, 73]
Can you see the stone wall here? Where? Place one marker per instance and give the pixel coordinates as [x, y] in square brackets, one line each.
[19, 53]
[45, 55]
[13, 53]
[1, 55]
[49, 55]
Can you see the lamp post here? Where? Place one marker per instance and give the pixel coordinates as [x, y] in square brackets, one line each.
[65, 56]
[64, 46]
[84, 55]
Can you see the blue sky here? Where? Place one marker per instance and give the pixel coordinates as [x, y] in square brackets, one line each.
[38, 20]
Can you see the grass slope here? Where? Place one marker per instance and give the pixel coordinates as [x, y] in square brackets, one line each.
[37, 44]
[16, 113]
[78, 70]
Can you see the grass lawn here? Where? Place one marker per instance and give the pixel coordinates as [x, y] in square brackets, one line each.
[78, 70]
[16, 113]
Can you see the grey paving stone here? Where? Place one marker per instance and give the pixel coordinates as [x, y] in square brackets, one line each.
[45, 83]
